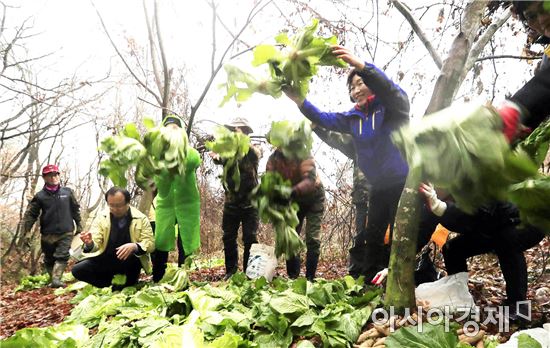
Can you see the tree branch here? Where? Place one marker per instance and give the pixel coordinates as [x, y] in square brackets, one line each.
[152, 48]
[478, 47]
[449, 79]
[258, 7]
[418, 31]
[144, 85]
[165, 68]
[508, 56]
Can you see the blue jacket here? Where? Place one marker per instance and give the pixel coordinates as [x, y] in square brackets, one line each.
[377, 156]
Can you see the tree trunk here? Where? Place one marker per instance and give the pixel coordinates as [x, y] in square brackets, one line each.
[400, 285]
[449, 79]
[145, 202]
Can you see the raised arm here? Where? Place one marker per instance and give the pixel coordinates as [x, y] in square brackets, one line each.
[393, 98]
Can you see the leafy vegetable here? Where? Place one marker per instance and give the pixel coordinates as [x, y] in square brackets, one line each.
[272, 198]
[526, 341]
[433, 336]
[162, 150]
[167, 148]
[241, 85]
[239, 313]
[64, 336]
[175, 278]
[537, 143]
[532, 198]
[491, 342]
[33, 282]
[290, 68]
[463, 151]
[232, 147]
[292, 138]
[123, 152]
[119, 279]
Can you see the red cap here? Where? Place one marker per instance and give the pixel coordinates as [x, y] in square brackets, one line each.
[50, 168]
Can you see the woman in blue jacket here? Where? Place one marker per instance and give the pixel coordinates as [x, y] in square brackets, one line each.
[381, 107]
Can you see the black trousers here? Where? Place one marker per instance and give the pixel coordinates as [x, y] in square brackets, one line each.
[509, 244]
[233, 216]
[361, 212]
[100, 270]
[369, 255]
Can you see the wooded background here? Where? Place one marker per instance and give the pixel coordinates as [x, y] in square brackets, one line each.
[440, 52]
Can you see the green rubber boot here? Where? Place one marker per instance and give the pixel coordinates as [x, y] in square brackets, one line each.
[57, 274]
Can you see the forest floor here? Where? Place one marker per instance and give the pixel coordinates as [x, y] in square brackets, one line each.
[41, 308]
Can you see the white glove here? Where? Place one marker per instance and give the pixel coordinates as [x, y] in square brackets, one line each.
[436, 205]
[380, 277]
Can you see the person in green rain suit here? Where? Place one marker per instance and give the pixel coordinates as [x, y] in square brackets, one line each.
[178, 202]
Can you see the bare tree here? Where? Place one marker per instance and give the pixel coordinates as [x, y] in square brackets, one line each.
[162, 88]
[38, 114]
[465, 49]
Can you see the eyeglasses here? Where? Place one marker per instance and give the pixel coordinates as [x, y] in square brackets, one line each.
[117, 206]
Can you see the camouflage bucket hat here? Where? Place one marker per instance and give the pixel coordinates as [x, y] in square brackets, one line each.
[240, 122]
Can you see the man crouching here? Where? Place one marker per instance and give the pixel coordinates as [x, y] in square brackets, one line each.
[119, 243]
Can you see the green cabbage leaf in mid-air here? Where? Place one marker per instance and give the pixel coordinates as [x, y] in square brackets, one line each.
[292, 138]
[272, 198]
[161, 150]
[291, 62]
[462, 150]
[232, 147]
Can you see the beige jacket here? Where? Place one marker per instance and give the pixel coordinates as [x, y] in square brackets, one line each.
[140, 233]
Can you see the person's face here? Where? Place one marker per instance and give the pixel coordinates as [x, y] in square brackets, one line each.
[359, 91]
[537, 18]
[117, 205]
[51, 179]
[173, 126]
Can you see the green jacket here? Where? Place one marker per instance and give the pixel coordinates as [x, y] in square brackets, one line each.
[178, 200]
[140, 233]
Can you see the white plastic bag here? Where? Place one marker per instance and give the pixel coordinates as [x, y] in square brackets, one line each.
[262, 262]
[451, 292]
[539, 334]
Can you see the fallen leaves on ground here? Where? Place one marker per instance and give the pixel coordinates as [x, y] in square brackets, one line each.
[41, 308]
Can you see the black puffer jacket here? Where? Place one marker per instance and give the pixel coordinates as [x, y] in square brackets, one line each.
[57, 210]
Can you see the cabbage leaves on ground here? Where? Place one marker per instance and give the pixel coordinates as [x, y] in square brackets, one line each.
[238, 313]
